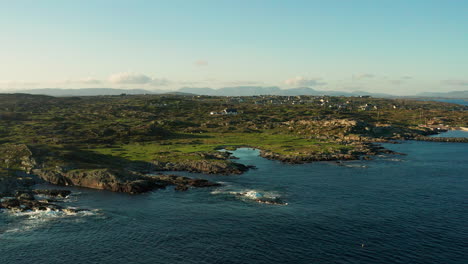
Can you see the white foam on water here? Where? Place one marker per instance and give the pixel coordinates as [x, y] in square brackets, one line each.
[68, 198]
[355, 166]
[252, 195]
[51, 214]
[395, 160]
[33, 219]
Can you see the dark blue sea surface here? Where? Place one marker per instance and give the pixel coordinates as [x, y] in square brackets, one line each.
[393, 209]
[460, 101]
[453, 101]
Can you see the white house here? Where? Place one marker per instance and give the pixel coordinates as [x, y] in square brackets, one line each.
[229, 111]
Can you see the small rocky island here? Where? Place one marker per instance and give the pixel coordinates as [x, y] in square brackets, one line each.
[121, 143]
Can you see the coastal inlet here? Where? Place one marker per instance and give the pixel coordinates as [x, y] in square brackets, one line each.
[408, 209]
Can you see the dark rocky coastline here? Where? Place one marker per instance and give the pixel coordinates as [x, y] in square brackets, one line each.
[133, 178]
[21, 198]
[120, 181]
[362, 151]
[202, 166]
[31, 168]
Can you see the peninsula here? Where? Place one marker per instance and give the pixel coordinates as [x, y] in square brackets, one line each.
[114, 142]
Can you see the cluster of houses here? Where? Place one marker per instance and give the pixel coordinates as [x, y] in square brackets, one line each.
[332, 103]
[367, 107]
[227, 111]
[280, 100]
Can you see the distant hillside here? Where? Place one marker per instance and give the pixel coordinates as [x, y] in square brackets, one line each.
[273, 90]
[86, 91]
[233, 91]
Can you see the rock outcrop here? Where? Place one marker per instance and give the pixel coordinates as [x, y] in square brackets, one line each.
[183, 183]
[16, 157]
[103, 179]
[363, 150]
[25, 200]
[119, 180]
[202, 166]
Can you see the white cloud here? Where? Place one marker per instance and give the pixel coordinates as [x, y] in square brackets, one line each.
[301, 81]
[201, 63]
[90, 80]
[396, 82]
[240, 83]
[17, 83]
[129, 78]
[136, 78]
[159, 82]
[401, 80]
[363, 76]
[456, 82]
[9, 85]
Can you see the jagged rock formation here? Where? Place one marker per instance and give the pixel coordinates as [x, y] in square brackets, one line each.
[118, 180]
[25, 200]
[183, 183]
[353, 130]
[16, 157]
[103, 179]
[202, 166]
[22, 166]
[363, 150]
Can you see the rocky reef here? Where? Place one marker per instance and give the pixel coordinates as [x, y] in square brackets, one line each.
[183, 183]
[202, 166]
[86, 169]
[28, 166]
[360, 151]
[102, 179]
[35, 200]
[119, 180]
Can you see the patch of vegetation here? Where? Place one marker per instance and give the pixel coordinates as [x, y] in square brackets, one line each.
[100, 131]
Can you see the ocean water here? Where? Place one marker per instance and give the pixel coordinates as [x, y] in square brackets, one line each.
[452, 101]
[460, 101]
[452, 133]
[393, 209]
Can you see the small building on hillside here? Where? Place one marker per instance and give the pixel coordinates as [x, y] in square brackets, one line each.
[368, 107]
[229, 111]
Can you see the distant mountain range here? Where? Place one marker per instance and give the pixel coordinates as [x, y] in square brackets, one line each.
[84, 91]
[229, 91]
[272, 90]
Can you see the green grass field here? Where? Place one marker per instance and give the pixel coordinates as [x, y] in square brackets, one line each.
[187, 149]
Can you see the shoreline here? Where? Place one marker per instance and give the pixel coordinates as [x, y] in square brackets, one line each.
[443, 139]
[22, 197]
[132, 177]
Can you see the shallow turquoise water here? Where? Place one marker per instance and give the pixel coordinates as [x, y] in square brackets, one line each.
[453, 133]
[393, 209]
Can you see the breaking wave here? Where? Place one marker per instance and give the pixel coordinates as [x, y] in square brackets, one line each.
[251, 195]
[31, 220]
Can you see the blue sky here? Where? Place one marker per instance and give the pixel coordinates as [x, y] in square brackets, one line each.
[400, 47]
